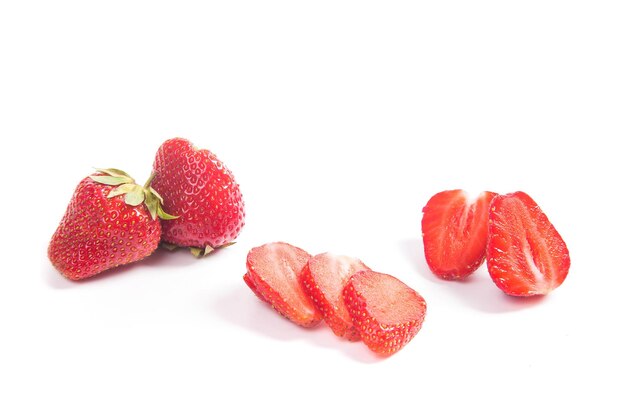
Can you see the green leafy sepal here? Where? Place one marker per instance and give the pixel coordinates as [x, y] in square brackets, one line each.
[134, 194]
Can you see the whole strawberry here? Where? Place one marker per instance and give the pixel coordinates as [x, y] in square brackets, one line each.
[202, 192]
[110, 221]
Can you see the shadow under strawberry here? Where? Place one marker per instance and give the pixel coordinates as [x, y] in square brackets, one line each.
[161, 258]
[476, 291]
[260, 318]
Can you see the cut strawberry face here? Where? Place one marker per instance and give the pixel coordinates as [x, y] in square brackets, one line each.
[323, 279]
[454, 230]
[386, 312]
[525, 254]
[272, 275]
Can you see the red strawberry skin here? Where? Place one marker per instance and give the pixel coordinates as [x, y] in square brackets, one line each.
[98, 233]
[525, 254]
[201, 190]
[251, 284]
[454, 230]
[272, 274]
[386, 312]
[323, 279]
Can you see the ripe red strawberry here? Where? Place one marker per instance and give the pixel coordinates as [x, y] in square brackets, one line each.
[202, 192]
[272, 274]
[454, 230]
[386, 312]
[525, 254]
[106, 225]
[323, 279]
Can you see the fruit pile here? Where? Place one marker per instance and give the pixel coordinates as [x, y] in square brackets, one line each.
[191, 200]
[525, 254]
[356, 302]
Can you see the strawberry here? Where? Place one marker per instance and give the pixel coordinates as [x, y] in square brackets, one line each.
[272, 274]
[454, 230]
[110, 221]
[525, 254]
[252, 286]
[323, 279]
[202, 192]
[386, 312]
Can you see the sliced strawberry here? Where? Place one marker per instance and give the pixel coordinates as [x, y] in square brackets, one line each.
[323, 279]
[253, 287]
[386, 312]
[525, 254]
[273, 271]
[454, 229]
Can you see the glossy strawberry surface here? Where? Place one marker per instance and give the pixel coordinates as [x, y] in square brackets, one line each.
[198, 188]
[98, 233]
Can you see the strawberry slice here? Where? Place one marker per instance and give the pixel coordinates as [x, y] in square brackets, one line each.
[386, 312]
[454, 229]
[252, 286]
[525, 254]
[272, 274]
[323, 279]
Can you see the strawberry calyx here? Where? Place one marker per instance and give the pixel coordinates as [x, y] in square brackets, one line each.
[208, 249]
[201, 252]
[134, 194]
[197, 251]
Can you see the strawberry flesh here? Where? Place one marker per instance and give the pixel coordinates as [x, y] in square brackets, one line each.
[323, 279]
[525, 254]
[272, 274]
[252, 285]
[386, 312]
[454, 230]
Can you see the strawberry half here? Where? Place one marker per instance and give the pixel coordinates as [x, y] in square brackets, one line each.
[323, 279]
[272, 274]
[525, 254]
[386, 312]
[454, 230]
[110, 221]
[202, 192]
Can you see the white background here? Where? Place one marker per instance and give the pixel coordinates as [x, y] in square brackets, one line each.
[339, 119]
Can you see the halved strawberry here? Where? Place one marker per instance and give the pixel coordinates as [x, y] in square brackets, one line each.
[272, 275]
[454, 229]
[386, 312]
[525, 254]
[323, 279]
